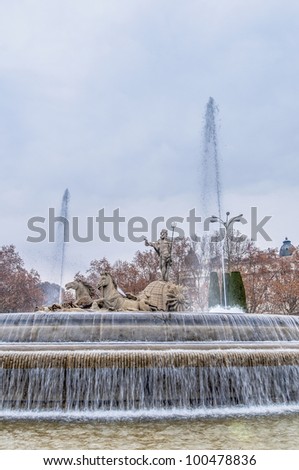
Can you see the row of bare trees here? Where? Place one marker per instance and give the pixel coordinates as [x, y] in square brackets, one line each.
[271, 282]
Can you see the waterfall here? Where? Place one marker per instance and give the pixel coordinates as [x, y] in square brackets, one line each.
[127, 361]
[134, 380]
[145, 327]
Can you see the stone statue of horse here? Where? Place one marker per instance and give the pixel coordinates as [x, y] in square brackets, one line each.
[112, 299]
[83, 292]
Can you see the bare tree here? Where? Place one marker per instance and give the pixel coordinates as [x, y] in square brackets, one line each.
[20, 289]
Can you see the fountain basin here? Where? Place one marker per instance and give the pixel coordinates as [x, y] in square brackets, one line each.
[104, 361]
[146, 327]
[101, 379]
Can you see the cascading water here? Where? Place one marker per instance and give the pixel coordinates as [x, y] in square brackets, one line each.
[149, 380]
[61, 238]
[99, 362]
[94, 328]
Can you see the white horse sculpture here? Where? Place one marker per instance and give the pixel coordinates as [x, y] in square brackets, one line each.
[83, 291]
[112, 299]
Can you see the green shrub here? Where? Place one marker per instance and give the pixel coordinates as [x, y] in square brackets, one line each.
[237, 291]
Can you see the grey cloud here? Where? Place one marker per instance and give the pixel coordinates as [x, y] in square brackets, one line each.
[108, 98]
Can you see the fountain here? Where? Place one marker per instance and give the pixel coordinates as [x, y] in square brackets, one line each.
[147, 354]
[98, 362]
[115, 352]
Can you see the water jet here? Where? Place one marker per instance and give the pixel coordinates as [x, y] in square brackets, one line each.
[62, 235]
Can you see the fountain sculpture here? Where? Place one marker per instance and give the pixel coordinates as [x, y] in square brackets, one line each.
[71, 362]
[109, 351]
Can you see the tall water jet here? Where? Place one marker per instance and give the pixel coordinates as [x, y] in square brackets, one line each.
[62, 236]
[210, 171]
[210, 174]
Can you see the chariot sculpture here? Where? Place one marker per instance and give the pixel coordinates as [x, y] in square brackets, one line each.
[159, 295]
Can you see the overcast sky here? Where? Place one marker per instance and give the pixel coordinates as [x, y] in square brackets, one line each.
[107, 98]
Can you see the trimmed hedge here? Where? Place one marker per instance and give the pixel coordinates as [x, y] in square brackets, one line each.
[237, 294]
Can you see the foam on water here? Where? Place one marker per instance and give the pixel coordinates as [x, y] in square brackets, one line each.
[157, 415]
[221, 309]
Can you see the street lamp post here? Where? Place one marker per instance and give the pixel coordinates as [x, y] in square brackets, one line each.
[228, 225]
